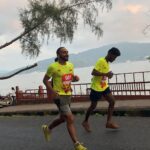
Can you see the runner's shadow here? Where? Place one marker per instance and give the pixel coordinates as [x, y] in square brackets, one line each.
[112, 131]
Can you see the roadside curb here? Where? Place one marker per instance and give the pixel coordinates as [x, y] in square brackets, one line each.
[144, 112]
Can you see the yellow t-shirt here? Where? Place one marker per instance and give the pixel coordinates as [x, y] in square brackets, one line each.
[99, 83]
[62, 76]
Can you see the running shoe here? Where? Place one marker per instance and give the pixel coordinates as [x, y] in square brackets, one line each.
[46, 132]
[79, 146]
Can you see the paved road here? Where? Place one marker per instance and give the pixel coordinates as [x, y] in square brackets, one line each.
[24, 133]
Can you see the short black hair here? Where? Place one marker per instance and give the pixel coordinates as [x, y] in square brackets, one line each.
[115, 51]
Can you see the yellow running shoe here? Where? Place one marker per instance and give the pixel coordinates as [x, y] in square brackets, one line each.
[79, 146]
[46, 132]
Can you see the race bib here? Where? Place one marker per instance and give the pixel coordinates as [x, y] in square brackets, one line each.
[103, 81]
[66, 82]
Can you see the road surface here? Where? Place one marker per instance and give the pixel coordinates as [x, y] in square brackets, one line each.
[24, 133]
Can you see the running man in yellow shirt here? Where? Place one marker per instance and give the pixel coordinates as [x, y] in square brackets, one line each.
[62, 74]
[100, 87]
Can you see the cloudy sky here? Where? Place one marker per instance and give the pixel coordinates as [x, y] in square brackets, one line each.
[124, 22]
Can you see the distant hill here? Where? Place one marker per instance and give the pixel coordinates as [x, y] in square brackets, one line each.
[129, 51]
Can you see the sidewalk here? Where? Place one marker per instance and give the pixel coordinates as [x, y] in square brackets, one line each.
[133, 107]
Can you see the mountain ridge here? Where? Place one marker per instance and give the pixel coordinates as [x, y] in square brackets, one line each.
[129, 51]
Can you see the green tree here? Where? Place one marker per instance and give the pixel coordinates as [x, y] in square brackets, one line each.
[56, 19]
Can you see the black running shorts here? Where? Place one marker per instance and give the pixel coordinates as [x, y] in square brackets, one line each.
[96, 95]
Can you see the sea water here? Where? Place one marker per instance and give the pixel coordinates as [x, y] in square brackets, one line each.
[34, 79]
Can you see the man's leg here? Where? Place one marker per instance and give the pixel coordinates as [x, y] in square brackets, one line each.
[72, 131]
[69, 118]
[63, 104]
[70, 126]
[85, 123]
[47, 129]
[56, 122]
[111, 100]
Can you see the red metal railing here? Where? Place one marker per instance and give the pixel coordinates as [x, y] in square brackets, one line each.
[134, 85]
